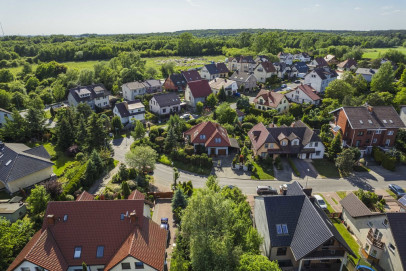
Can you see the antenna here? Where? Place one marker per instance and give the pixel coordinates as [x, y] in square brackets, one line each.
[1, 26]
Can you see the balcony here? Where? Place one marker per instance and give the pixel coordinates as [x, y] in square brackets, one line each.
[330, 253]
[374, 241]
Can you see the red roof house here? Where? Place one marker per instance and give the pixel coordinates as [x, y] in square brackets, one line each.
[197, 91]
[303, 94]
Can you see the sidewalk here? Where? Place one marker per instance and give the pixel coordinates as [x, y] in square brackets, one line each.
[102, 182]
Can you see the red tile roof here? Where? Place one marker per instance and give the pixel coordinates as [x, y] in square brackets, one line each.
[258, 135]
[136, 195]
[309, 91]
[267, 66]
[191, 75]
[211, 131]
[272, 98]
[346, 64]
[85, 196]
[91, 224]
[200, 88]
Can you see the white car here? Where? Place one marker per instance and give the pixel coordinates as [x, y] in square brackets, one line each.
[320, 201]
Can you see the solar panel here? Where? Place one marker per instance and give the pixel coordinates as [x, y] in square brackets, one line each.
[403, 200]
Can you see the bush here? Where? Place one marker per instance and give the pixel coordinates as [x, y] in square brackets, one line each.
[247, 126]
[79, 156]
[378, 155]
[69, 198]
[389, 163]
[75, 182]
[189, 149]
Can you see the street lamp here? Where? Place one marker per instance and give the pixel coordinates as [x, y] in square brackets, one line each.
[307, 176]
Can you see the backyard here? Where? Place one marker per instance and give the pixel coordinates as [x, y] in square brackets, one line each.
[62, 161]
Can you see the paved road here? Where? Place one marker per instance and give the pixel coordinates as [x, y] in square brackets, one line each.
[121, 146]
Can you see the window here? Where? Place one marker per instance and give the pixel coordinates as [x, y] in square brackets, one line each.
[378, 132]
[77, 253]
[318, 153]
[384, 121]
[316, 144]
[100, 252]
[125, 266]
[390, 132]
[285, 263]
[285, 228]
[360, 133]
[139, 265]
[387, 142]
[360, 121]
[122, 217]
[65, 218]
[217, 140]
[39, 268]
[375, 140]
[279, 228]
[283, 143]
[271, 146]
[385, 222]
[25, 269]
[202, 136]
[266, 145]
[358, 143]
[164, 110]
[281, 251]
[369, 132]
[391, 247]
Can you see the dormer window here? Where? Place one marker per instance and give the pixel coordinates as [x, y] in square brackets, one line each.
[121, 216]
[284, 143]
[202, 136]
[77, 253]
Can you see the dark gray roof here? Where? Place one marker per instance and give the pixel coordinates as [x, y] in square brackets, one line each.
[325, 72]
[301, 67]
[123, 109]
[178, 79]
[95, 91]
[212, 69]
[17, 162]
[191, 75]
[354, 206]
[397, 223]
[308, 225]
[222, 67]
[167, 99]
[240, 76]
[39, 151]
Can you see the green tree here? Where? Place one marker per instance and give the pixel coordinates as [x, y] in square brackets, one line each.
[402, 80]
[199, 108]
[96, 133]
[84, 109]
[58, 91]
[179, 200]
[243, 103]
[125, 189]
[380, 98]
[170, 140]
[84, 267]
[176, 176]
[211, 101]
[5, 99]
[285, 120]
[86, 77]
[335, 147]
[225, 114]
[81, 132]
[32, 83]
[139, 130]
[253, 262]
[222, 96]
[64, 134]
[345, 161]
[38, 199]
[6, 76]
[35, 122]
[212, 183]
[15, 129]
[116, 124]
[399, 71]
[267, 42]
[339, 89]
[383, 80]
[167, 69]
[18, 100]
[186, 45]
[142, 158]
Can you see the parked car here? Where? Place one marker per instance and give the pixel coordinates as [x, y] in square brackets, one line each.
[266, 190]
[320, 201]
[297, 82]
[186, 116]
[283, 85]
[165, 223]
[399, 192]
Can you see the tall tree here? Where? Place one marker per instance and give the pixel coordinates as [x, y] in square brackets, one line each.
[179, 200]
[225, 114]
[96, 134]
[383, 80]
[139, 130]
[15, 129]
[64, 134]
[253, 262]
[35, 122]
[125, 189]
[142, 158]
[335, 147]
[38, 199]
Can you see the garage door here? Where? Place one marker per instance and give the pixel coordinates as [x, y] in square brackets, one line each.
[222, 152]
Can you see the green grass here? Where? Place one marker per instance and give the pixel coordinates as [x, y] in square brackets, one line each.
[326, 168]
[263, 172]
[80, 65]
[329, 208]
[347, 237]
[393, 195]
[378, 52]
[293, 166]
[62, 162]
[361, 168]
[334, 200]
[187, 167]
[341, 194]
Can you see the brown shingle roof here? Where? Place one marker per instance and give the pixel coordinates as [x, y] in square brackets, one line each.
[191, 75]
[267, 66]
[346, 64]
[222, 68]
[355, 207]
[211, 131]
[272, 98]
[200, 88]
[85, 196]
[309, 91]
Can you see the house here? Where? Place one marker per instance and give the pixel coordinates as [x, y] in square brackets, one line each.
[366, 73]
[197, 91]
[402, 204]
[297, 232]
[286, 58]
[302, 57]
[175, 82]
[133, 89]
[284, 70]
[211, 136]
[191, 75]
[302, 69]
[230, 86]
[241, 63]
[240, 115]
[153, 86]
[331, 59]
[222, 69]
[12, 209]
[4, 115]
[347, 65]
[165, 103]
[303, 94]
[209, 72]
[318, 62]
[129, 112]
[319, 78]
[266, 100]
[367, 126]
[105, 234]
[264, 70]
[22, 166]
[297, 140]
[381, 235]
[402, 113]
[261, 58]
[248, 81]
[93, 95]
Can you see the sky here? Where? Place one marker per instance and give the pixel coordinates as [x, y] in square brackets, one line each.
[44, 17]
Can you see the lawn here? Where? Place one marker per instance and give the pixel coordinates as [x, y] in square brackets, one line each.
[393, 195]
[341, 194]
[347, 237]
[326, 168]
[263, 172]
[62, 162]
[378, 52]
[329, 208]
[186, 167]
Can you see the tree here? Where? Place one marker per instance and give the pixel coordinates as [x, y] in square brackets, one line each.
[345, 161]
[38, 199]
[53, 188]
[225, 114]
[5, 99]
[167, 69]
[84, 267]
[383, 79]
[58, 91]
[15, 128]
[199, 108]
[399, 71]
[400, 97]
[116, 124]
[253, 262]
[176, 176]
[142, 158]
[186, 44]
[296, 110]
[222, 96]
[64, 134]
[139, 130]
[211, 101]
[84, 109]
[379, 98]
[285, 120]
[6, 76]
[339, 89]
[212, 183]
[267, 42]
[170, 140]
[125, 189]
[18, 100]
[32, 83]
[96, 133]
[402, 80]
[243, 103]
[187, 188]
[335, 147]
[179, 200]
[81, 132]
[35, 122]
[86, 77]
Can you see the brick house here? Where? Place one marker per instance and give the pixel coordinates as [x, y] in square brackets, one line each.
[175, 82]
[367, 126]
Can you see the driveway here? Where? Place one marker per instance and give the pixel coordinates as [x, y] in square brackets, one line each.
[162, 209]
[285, 174]
[121, 146]
[305, 168]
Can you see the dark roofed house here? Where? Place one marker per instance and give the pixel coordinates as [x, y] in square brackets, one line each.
[21, 167]
[301, 68]
[318, 62]
[222, 69]
[129, 112]
[297, 140]
[105, 234]
[247, 80]
[382, 235]
[197, 91]
[367, 126]
[297, 233]
[4, 115]
[191, 75]
[94, 95]
[175, 82]
[241, 63]
[209, 72]
[165, 103]
[366, 73]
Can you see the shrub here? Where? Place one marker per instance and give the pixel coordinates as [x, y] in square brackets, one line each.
[69, 198]
[132, 184]
[189, 149]
[247, 126]
[378, 155]
[75, 181]
[79, 156]
[389, 162]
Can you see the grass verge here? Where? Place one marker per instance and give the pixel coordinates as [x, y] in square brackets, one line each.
[186, 167]
[341, 194]
[293, 166]
[326, 168]
[262, 172]
[393, 195]
[347, 237]
[329, 208]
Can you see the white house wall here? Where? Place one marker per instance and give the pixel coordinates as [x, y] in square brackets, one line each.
[132, 262]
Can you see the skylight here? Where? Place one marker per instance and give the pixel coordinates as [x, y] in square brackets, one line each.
[65, 218]
[285, 228]
[100, 252]
[78, 252]
[391, 121]
[8, 162]
[122, 216]
[282, 229]
[370, 121]
[279, 228]
[384, 121]
[360, 121]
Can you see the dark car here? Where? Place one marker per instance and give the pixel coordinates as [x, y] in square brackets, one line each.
[266, 190]
[165, 223]
[297, 82]
[399, 192]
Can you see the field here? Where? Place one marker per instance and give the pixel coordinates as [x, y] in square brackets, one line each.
[181, 63]
[378, 52]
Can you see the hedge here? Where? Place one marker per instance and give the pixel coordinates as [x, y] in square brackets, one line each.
[388, 162]
[74, 182]
[202, 160]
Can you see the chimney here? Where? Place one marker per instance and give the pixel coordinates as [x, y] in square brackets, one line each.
[308, 191]
[50, 219]
[133, 217]
[370, 109]
[225, 80]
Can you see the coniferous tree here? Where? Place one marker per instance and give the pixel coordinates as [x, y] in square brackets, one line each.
[125, 189]
[335, 147]
[65, 136]
[96, 133]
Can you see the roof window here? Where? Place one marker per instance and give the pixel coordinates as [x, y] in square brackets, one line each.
[360, 121]
[100, 252]
[65, 218]
[391, 121]
[384, 121]
[370, 121]
[122, 217]
[8, 162]
[77, 253]
[282, 229]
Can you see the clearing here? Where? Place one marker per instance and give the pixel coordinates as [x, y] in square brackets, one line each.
[378, 52]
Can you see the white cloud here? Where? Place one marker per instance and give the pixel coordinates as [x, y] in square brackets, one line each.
[317, 5]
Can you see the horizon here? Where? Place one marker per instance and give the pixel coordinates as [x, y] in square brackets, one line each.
[103, 17]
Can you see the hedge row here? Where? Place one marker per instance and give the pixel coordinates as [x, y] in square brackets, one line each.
[388, 162]
[202, 160]
[75, 182]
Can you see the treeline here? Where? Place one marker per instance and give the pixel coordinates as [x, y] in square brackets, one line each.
[197, 43]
